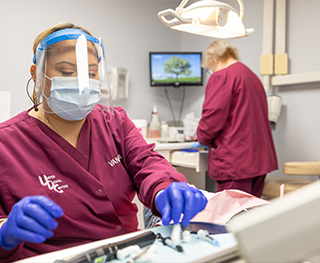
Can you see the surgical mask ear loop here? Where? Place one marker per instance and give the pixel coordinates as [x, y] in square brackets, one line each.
[47, 77]
[43, 92]
[35, 106]
[209, 71]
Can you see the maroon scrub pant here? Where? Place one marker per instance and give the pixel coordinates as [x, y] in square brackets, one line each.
[252, 185]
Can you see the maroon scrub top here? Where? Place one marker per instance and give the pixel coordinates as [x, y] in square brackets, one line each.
[94, 183]
[234, 123]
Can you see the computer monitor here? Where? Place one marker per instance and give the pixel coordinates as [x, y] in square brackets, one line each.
[175, 69]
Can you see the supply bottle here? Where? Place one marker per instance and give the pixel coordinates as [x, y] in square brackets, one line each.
[154, 127]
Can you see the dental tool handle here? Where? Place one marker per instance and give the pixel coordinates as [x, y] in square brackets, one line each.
[176, 233]
[204, 235]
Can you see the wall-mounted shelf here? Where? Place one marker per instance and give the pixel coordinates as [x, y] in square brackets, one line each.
[295, 78]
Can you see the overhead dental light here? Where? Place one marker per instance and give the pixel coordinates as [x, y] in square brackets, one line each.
[207, 18]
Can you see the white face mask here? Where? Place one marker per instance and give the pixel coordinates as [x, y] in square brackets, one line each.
[66, 101]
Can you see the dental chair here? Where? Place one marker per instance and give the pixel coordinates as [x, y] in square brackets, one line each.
[291, 183]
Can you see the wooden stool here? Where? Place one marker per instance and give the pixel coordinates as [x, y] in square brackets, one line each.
[272, 185]
[291, 183]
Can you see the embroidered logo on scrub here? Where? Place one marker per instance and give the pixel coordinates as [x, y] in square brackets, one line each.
[52, 183]
[115, 160]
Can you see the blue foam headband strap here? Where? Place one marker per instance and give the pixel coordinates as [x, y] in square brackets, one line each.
[61, 35]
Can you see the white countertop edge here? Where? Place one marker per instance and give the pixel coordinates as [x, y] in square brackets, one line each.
[160, 146]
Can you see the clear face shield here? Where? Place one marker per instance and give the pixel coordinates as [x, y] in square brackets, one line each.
[71, 73]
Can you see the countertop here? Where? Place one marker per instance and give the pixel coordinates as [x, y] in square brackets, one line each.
[162, 145]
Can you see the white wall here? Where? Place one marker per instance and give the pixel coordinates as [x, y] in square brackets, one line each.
[297, 134]
[130, 29]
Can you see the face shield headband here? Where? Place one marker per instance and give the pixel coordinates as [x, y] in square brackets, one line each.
[62, 35]
[82, 73]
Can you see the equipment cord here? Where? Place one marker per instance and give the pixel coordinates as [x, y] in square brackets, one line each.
[181, 106]
[172, 112]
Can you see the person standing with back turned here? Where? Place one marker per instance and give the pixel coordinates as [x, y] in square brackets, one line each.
[234, 123]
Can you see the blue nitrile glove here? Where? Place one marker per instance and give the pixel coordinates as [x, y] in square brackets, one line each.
[198, 144]
[31, 219]
[180, 198]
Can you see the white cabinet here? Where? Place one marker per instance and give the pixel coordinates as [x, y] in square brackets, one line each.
[196, 160]
[192, 164]
[174, 154]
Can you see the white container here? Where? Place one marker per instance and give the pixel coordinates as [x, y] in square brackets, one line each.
[141, 125]
[274, 107]
[164, 129]
[190, 124]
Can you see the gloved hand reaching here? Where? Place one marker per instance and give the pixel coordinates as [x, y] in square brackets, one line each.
[32, 219]
[198, 144]
[180, 198]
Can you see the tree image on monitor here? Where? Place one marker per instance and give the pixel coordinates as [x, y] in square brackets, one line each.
[175, 69]
[177, 66]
